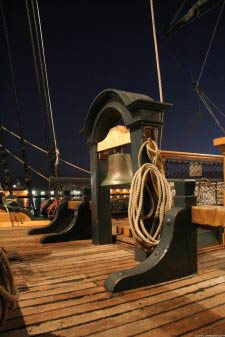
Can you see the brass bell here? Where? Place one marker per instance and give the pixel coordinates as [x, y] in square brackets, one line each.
[119, 170]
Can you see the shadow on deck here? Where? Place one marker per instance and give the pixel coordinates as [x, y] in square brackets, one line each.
[62, 293]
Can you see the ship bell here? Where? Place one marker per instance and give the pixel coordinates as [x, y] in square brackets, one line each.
[119, 170]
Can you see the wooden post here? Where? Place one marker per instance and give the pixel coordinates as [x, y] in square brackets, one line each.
[220, 143]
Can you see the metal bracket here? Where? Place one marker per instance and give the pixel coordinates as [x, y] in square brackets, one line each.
[174, 257]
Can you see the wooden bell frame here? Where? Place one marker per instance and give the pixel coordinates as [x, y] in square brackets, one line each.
[142, 117]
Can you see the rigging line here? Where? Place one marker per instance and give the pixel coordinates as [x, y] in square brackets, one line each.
[72, 165]
[199, 93]
[42, 75]
[181, 64]
[21, 161]
[192, 58]
[156, 51]
[5, 164]
[35, 59]
[214, 105]
[18, 113]
[42, 80]
[157, 65]
[178, 12]
[26, 141]
[188, 74]
[42, 150]
[46, 75]
[210, 44]
[39, 74]
[53, 153]
[181, 25]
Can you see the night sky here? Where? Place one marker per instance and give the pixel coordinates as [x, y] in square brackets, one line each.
[94, 45]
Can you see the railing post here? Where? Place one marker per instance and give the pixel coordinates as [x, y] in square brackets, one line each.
[220, 143]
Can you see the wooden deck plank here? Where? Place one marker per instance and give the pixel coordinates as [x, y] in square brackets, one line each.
[62, 293]
[174, 297]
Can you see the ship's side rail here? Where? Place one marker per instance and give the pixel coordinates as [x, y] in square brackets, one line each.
[205, 169]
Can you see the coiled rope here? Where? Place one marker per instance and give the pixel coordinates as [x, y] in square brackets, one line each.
[149, 178]
[8, 293]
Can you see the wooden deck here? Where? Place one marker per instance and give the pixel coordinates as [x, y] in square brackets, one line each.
[62, 294]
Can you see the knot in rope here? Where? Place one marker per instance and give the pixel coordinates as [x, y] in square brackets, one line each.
[8, 293]
[149, 186]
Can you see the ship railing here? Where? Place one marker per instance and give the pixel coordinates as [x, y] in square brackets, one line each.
[205, 169]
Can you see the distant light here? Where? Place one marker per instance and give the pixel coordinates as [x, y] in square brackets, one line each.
[42, 192]
[51, 192]
[75, 192]
[14, 185]
[33, 192]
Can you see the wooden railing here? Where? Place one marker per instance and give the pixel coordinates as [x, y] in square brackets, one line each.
[191, 156]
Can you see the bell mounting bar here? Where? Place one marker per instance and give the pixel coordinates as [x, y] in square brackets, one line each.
[116, 137]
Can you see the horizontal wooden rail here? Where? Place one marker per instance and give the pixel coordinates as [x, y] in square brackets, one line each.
[191, 156]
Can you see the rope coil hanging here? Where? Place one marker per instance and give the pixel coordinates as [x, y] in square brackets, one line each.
[8, 293]
[149, 179]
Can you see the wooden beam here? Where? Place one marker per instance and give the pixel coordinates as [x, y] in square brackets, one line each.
[116, 137]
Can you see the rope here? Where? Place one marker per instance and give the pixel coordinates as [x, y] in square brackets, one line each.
[177, 13]
[43, 150]
[21, 161]
[149, 179]
[156, 51]
[210, 44]
[39, 75]
[205, 100]
[42, 80]
[180, 63]
[184, 21]
[207, 106]
[8, 293]
[18, 112]
[48, 92]
[46, 74]
[5, 164]
[74, 166]
[157, 65]
[214, 105]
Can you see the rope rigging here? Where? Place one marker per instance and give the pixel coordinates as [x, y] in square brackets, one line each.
[7, 176]
[210, 43]
[214, 105]
[43, 150]
[197, 11]
[44, 93]
[18, 112]
[198, 90]
[203, 98]
[148, 180]
[42, 80]
[192, 59]
[21, 161]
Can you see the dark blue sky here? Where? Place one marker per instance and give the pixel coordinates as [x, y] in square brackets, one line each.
[93, 45]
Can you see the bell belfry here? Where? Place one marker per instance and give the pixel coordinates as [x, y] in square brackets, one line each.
[142, 116]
